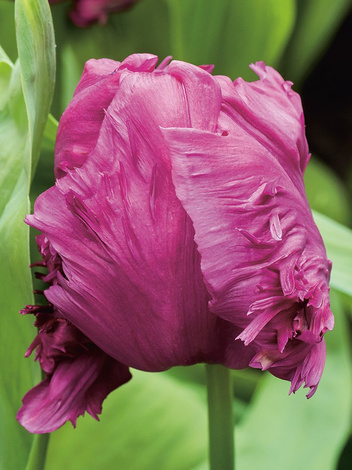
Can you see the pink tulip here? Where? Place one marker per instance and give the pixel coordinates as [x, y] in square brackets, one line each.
[178, 232]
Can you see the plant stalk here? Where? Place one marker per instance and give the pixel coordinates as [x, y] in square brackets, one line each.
[37, 455]
[220, 417]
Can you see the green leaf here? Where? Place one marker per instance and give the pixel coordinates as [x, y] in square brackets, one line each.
[230, 34]
[16, 375]
[317, 21]
[326, 193]
[291, 432]
[338, 243]
[36, 50]
[153, 422]
[25, 96]
[7, 29]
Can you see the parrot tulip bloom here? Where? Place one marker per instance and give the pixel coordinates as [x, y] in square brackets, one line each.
[177, 232]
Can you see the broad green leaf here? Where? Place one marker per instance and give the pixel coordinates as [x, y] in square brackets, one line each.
[230, 34]
[317, 21]
[25, 97]
[16, 333]
[152, 423]
[326, 193]
[338, 243]
[36, 50]
[7, 29]
[291, 432]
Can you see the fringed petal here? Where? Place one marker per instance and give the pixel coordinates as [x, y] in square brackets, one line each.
[270, 111]
[75, 386]
[261, 254]
[79, 376]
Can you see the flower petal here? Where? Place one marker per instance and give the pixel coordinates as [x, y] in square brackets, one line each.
[252, 222]
[231, 187]
[299, 364]
[85, 113]
[271, 112]
[76, 386]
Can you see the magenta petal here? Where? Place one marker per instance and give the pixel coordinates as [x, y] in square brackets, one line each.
[300, 364]
[139, 63]
[231, 186]
[85, 113]
[78, 375]
[252, 224]
[200, 92]
[76, 386]
[94, 71]
[270, 111]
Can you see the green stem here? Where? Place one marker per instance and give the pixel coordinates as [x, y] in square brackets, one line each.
[37, 456]
[221, 422]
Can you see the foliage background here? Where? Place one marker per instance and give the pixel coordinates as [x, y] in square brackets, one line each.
[158, 421]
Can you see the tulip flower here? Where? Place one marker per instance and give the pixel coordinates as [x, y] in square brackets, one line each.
[178, 232]
[86, 12]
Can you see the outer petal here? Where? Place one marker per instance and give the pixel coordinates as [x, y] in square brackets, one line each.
[261, 253]
[299, 364]
[270, 111]
[80, 124]
[131, 267]
[76, 386]
[200, 94]
[78, 375]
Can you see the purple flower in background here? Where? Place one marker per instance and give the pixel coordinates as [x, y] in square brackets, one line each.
[177, 232]
[87, 12]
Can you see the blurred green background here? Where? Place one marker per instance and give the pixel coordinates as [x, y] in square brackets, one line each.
[158, 421]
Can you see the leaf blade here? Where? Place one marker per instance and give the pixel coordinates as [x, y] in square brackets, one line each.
[164, 417]
[24, 108]
[207, 32]
[338, 243]
[36, 50]
[16, 376]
